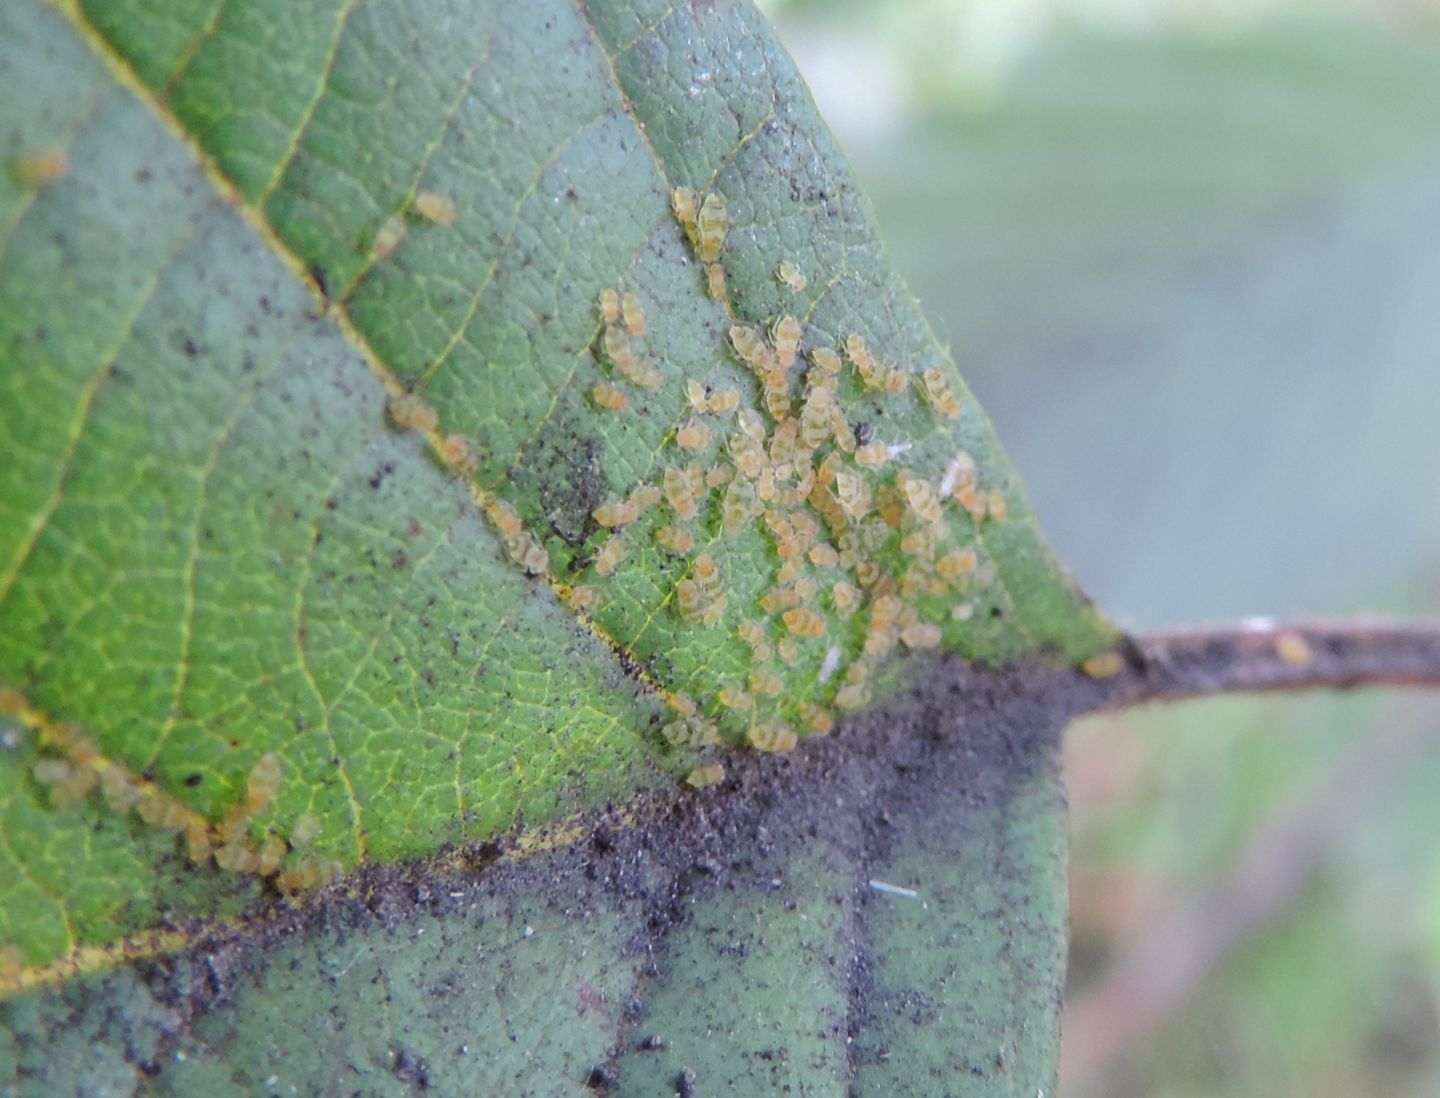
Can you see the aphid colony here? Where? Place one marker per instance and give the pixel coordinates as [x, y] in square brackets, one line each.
[78, 769]
[863, 546]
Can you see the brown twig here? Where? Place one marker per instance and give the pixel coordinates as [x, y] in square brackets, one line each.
[1264, 655]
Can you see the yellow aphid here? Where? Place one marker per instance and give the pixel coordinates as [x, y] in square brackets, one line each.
[616, 512]
[772, 736]
[853, 696]
[682, 201]
[197, 842]
[38, 169]
[939, 393]
[119, 791]
[610, 306]
[751, 632]
[824, 556]
[272, 851]
[786, 336]
[230, 830]
[634, 314]
[953, 565]
[826, 359]
[872, 453]
[609, 397]
[675, 539]
[643, 497]
[738, 507]
[1106, 665]
[972, 500]
[530, 555]
[308, 873]
[611, 554]
[715, 281]
[750, 346]
[707, 574]
[858, 353]
[853, 494]
[920, 495]
[306, 830]
[389, 236]
[690, 601]
[679, 492]
[920, 635]
[411, 411]
[693, 436]
[506, 520]
[894, 381]
[237, 857]
[819, 720]
[719, 476]
[723, 400]
[691, 732]
[919, 544]
[707, 775]
[695, 394]
[263, 783]
[776, 387]
[460, 455]
[732, 697]
[618, 349]
[765, 682]
[804, 622]
[791, 275]
[1293, 649]
[816, 417]
[435, 207]
[682, 703]
[713, 223]
[995, 505]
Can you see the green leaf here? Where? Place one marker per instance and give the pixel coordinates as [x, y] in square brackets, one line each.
[241, 602]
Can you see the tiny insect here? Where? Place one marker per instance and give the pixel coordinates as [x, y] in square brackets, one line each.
[765, 682]
[411, 411]
[675, 539]
[715, 281]
[776, 391]
[804, 622]
[737, 507]
[119, 791]
[938, 391]
[772, 736]
[826, 359]
[611, 554]
[786, 336]
[679, 492]
[829, 665]
[608, 397]
[682, 703]
[955, 564]
[920, 635]
[40, 169]
[682, 201]
[263, 783]
[435, 208]
[960, 470]
[855, 695]
[634, 314]
[460, 455]
[1106, 665]
[197, 842]
[695, 394]
[995, 505]
[791, 275]
[824, 556]
[691, 732]
[610, 306]
[751, 348]
[306, 830]
[712, 224]
[732, 697]
[389, 236]
[703, 776]
[506, 520]
[693, 436]
[723, 400]
[920, 495]
[616, 512]
[819, 720]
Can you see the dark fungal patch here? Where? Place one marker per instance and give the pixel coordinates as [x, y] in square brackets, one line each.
[561, 466]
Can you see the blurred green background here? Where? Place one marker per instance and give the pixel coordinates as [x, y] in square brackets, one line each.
[1188, 256]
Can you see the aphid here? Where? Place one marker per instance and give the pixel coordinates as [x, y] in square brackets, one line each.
[737, 507]
[389, 236]
[693, 436]
[691, 732]
[816, 417]
[643, 497]
[634, 314]
[806, 588]
[771, 736]
[272, 851]
[957, 563]
[751, 347]
[506, 520]
[826, 359]
[853, 494]
[824, 556]
[308, 873]
[920, 635]
[719, 476]
[1106, 665]
[679, 492]
[460, 455]
[306, 830]
[938, 391]
[712, 225]
[695, 394]
[707, 574]
[920, 494]
[119, 791]
[960, 470]
[237, 857]
[38, 169]
[412, 411]
[723, 400]
[618, 349]
[675, 539]
[819, 720]
[1293, 649]
[435, 207]
[707, 775]
[611, 554]
[786, 336]
[776, 391]
[804, 622]
[962, 611]
[529, 554]
[616, 512]
[608, 397]
[972, 500]
[715, 281]
[853, 696]
[858, 353]
[765, 682]
[873, 453]
[263, 783]
[791, 275]
[690, 600]
[682, 703]
[995, 505]
[919, 544]
[197, 842]
[732, 697]
[829, 665]
[682, 201]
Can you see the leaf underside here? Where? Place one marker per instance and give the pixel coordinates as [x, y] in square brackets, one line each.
[230, 237]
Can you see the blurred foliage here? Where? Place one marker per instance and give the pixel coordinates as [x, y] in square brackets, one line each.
[1187, 255]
